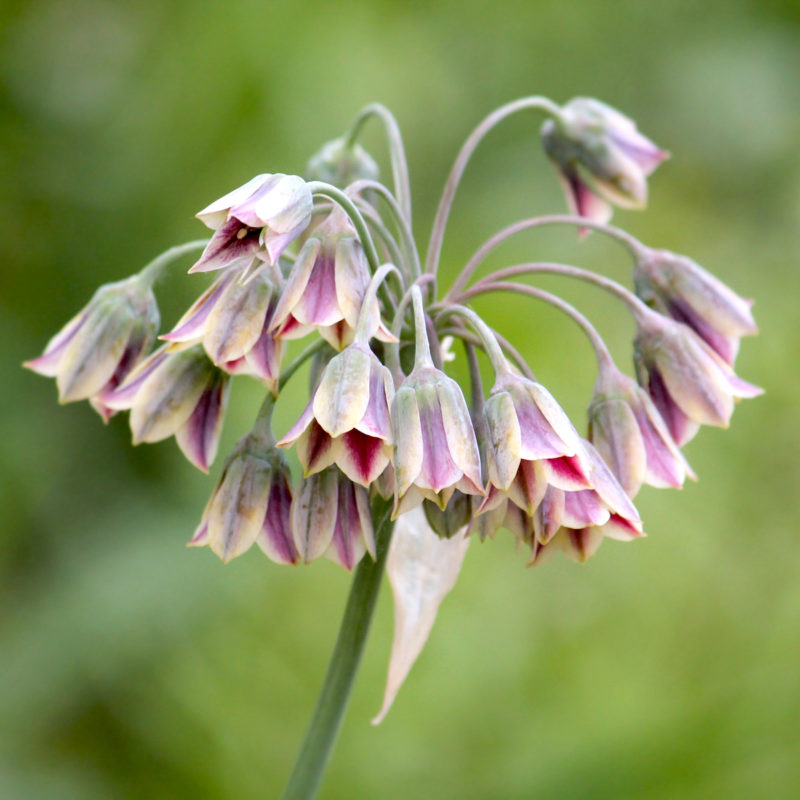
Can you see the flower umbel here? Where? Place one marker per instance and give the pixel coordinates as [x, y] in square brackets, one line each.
[387, 432]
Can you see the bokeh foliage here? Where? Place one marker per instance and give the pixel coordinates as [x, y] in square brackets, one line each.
[132, 668]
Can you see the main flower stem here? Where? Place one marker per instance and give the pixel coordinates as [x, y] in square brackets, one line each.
[332, 703]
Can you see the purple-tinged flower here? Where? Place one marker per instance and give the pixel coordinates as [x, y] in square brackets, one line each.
[577, 522]
[258, 220]
[180, 394]
[341, 164]
[601, 157]
[690, 384]
[530, 444]
[435, 449]
[233, 320]
[326, 286]
[251, 504]
[630, 435]
[331, 517]
[347, 421]
[97, 349]
[677, 286]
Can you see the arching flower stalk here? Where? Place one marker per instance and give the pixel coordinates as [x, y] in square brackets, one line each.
[386, 433]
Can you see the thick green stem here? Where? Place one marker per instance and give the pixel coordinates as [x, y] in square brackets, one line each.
[332, 703]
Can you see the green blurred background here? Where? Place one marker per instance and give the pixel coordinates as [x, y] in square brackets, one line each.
[131, 667]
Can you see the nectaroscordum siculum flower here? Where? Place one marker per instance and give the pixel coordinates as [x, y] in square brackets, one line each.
[180, 394]
[347, 421]
[98, 348]
[252, 501]
[257, 220]
[233, 320]
[435, 449]
[383, 434]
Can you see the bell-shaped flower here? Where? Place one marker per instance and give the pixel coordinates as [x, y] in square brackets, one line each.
[347, 421]
[601, 158]
[690, 384]
[331, 517]
[530, 444]
[233, 320]
[435, 449]
[577, 522]
[251, 504]
[630, 435]
[326, 286]
[98, 348]
[180, 394]
[341, 164]
[677, 286]
[258, 220]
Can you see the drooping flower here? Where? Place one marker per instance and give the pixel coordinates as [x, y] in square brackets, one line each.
[601, 157]
[347, 420]
[530, 444]
[95, 351]
[690, 384]
[233, 320]
[677, 286]
[630, 435]
[331, 517]
[435, 450]
[251, 504]
[257, 220]
[577, 522]
[326, 286]
[180, 394]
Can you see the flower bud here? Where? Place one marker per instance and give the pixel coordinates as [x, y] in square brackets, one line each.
[689, 383]
[251, 503]
[331, 517]
[601, 157]
[326, 286]
[179, 394]
[347, 421]
[340, 165]
[677, 286]
[98, 348]
[259, 219]
[631, 436]
[232, 320]
[452, 519]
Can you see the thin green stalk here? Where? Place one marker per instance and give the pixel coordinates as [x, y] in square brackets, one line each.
[310, 766]
[153, 271]
[464, 155]
[397, 151]
[634, 246]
